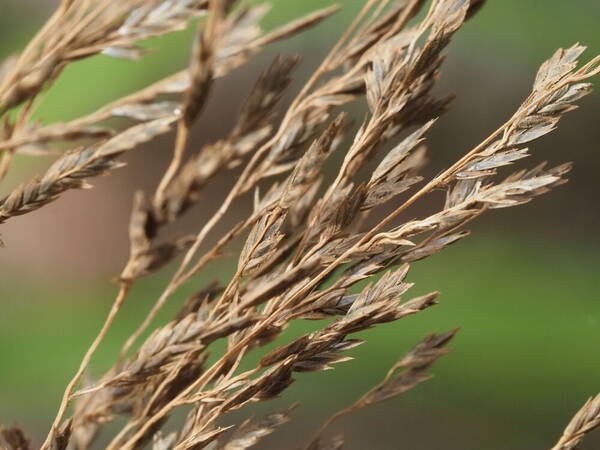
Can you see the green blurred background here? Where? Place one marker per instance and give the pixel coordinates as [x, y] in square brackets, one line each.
[523, 288]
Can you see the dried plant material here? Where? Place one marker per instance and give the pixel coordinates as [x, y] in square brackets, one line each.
[252, 128]
[201, 65]
[201, 74]
[240, 39]
[410, 370]
[395, 173]
[298, 298]
[406, 374]
[310, 165]
[337, 443]
[251, 431]
[300, 25]
[73, 169]
[586, 420]
[15, 438]
[160, 442]
[306, 242]
[200, 440]
[261, 243]
[434, 246]
[101, 27]
[63, 437]
[147, 111]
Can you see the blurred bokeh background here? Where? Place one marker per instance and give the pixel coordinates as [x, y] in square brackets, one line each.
[524, 287]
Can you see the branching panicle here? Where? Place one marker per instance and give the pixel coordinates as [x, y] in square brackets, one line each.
[306, 242]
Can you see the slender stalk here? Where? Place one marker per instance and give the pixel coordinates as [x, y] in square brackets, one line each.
[180, 143]
[64, 403]
[327, 423]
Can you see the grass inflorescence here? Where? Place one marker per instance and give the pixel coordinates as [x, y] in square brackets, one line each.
[306, 240]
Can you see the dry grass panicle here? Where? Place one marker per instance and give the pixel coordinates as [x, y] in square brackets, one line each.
[306, 244]
[586, 420]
